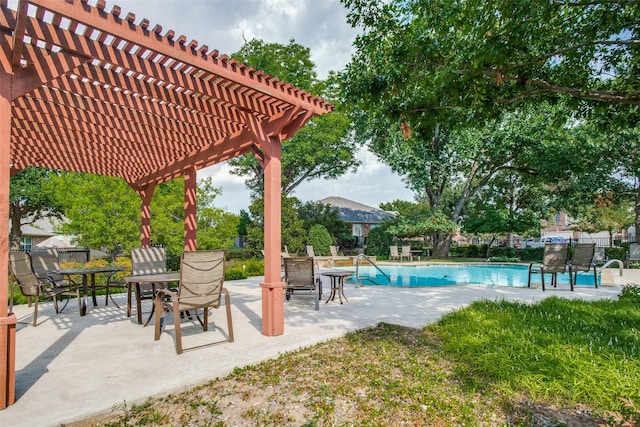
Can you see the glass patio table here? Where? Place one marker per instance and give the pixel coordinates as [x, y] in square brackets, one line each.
[86, 273]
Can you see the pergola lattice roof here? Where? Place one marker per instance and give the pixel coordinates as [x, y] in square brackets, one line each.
[85, 89]
[95, 92]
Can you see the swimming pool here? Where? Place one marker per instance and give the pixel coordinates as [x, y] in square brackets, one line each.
[456, 274]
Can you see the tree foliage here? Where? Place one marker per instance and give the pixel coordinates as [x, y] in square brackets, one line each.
[328, 216]
[293, 234]
[452, 93]
[31, 197]
[321, 240]
[103, 212]
[323, 148]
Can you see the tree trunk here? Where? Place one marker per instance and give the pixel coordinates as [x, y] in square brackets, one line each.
[441, 244]
[15, 233]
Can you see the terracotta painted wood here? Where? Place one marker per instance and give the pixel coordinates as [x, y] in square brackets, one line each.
[86, 89]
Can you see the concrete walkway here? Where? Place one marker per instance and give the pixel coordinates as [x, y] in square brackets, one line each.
[70, 367]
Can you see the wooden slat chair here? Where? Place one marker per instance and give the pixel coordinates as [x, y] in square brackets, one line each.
[31, 285]
[201, 287]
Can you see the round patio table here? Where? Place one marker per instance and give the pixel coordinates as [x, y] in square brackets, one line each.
[337, 284]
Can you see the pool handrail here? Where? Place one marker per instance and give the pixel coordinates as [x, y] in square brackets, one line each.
[357, 263]
[612, 261]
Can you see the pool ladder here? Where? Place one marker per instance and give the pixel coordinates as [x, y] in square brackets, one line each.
[358, 278]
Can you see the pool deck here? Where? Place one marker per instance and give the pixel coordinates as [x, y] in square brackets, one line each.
[69, 367]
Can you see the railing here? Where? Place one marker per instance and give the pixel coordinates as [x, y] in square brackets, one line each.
[357, 262]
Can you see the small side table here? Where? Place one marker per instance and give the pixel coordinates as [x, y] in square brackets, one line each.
[337, 284]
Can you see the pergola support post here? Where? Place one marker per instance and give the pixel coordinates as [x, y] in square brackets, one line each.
[273, 287]
[7, 320]
[190, 226]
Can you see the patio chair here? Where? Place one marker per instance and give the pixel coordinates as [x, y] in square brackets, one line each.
[310, 251]
[600, 256]
[634, 253]
[393, 252]
[31, 285]
[45, 263]
[406, 253]
[145, 261]
[201, 287]
[554, 261]
[299, 275]
[333, 250]
[583, 260]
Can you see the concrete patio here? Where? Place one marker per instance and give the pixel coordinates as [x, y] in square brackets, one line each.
[70, 367]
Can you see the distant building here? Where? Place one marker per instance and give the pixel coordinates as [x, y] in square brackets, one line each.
[362, 218]
[36, 233]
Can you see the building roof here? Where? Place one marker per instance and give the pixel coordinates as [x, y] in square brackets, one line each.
[355, 212]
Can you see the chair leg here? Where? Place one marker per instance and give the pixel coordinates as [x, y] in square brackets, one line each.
[227, 303]
[35, 311]
[159, 318]
[542, 278]
[595, 277]
[205, 324]
[138, 304]
[176, 324]
[129, 289]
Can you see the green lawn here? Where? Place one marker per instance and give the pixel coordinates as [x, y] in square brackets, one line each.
[554, 363]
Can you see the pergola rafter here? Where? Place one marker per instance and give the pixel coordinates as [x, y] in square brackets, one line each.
[86, 89]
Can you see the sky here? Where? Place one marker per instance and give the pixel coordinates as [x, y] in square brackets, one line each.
[321, 26]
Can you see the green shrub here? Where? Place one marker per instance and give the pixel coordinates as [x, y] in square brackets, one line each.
[320, 239]
[235, 273]
[630, 293]
[616, 253]
[253, 267]
[378, 242]
[502, 259]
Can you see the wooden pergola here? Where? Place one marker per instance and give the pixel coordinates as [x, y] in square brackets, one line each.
[85, 89]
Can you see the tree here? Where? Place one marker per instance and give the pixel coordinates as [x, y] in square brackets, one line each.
[321, 149]
[605, 215]
[103, 212]
[31, 198]
[313, 213]
[427, 74]
[216, 228]
[292, 230]
[320, 239]
[479, 55]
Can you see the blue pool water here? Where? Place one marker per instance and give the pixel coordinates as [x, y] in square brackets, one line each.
[454, 274]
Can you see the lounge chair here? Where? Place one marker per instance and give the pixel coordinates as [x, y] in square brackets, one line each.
[310, 251]
[583, 260]
[299, 275]
[393, 252]
[333, 250]
[634, 253]
[201, 287]
[31, 285]
[554, 261]
[406, 253]
[145, 261]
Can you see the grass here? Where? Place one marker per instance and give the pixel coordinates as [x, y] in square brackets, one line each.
[554, 363]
